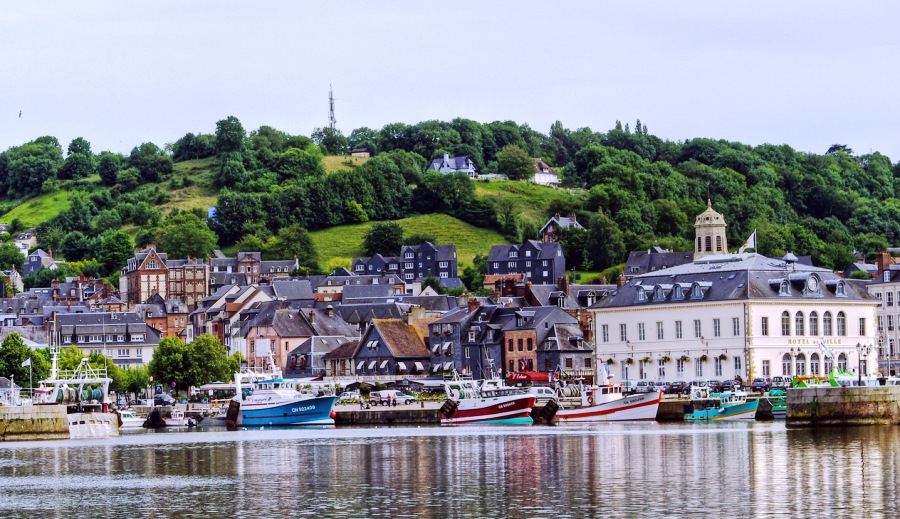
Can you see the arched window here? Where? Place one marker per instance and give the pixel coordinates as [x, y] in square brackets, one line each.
[829, 365]
[708, 244]
[814, 324]
[841, 325]
[718, 243]
[699, 244]
[785, 323]
[798, 324]
[826, 324]
[786, 365]
[801, 365]
[677, 292]
[814, 365]
[842, 361]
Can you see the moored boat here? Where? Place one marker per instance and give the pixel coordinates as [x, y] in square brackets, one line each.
[130, 420]
[778, 400]
[490, 402]
[606, 403]
[85, 393]
[728, 405]
[176, 418]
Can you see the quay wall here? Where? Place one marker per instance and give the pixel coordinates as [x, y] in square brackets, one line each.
[810, 407]
[38, 422]
[389, 416]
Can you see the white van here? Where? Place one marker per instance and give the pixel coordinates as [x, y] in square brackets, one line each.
[542, 394]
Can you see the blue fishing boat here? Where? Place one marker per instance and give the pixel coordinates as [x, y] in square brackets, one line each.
[278, 401]
[728, 405]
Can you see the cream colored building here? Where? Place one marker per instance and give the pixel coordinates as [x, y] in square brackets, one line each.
[730, 315]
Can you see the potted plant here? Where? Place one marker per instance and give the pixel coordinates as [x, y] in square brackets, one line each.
[703, 358]
[684, 358]
[647, 360]
[665, 359]
[610, 361]
[629, 361]
[723, 357]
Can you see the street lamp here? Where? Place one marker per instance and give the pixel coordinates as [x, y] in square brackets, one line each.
[862, 351]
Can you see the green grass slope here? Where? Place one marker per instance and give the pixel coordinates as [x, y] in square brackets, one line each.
[345, 240]
[40, 209]
[533, 200]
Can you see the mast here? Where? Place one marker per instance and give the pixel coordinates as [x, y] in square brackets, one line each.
[331, 119]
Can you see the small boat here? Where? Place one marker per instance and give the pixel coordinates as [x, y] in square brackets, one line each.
[277, 401]
[130, 420]
[606, 403]
[176, 418]
[778, 400]
[728, 405]
[490, 402]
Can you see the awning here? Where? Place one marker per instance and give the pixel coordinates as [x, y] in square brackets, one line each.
[419, 366]
[529, 376]
[383, 364]
[372, 364]
[435, 368]
[360, 365]
[448, 366]
[435, 348]
[447, 347]
[402, 366]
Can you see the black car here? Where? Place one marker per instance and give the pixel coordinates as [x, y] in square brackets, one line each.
[677, 387]
[726, 385]
[163, 400]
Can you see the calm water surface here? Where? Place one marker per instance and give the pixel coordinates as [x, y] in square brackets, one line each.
[626, 470]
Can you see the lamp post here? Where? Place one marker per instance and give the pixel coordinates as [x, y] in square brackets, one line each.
[862, 351]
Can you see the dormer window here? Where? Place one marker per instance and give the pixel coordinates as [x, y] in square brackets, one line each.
[677, 292]
[658, 294]
[513, 254]
[641, 295]
[841, 289]
[887, 276]
[696, 292]
[784, 289]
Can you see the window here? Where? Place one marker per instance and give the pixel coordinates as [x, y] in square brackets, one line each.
[679, 368]
[530, 344]
[472, 336]
[842, 361]
[737, 365]
[785, 324]
[511, 345]
[409, 265]
[605, 332]
[826, 323]
[521, 344]
[862, 326]
[511, 264]
[641, 336]
[764, 326]
[841, 325]
[735, 326]
[662, 369]
[497, 265]
[890, 297]
[801, 365]
[623, 332]
[513, 254]
[641, 294]
[799, 320]
[137, 338]
[544, 263]
[659, 330]
[527, 253]
[708, 242]
[697, 331]
[786, 365]
[624, 371]
[814, 324]
[698, 368]
[766, 371]
[814, 364]
[678, 334]
[444, 275]
[717, 364]
[718, 244]
[643, 370]
[717, 328]
[569, 363]
[409, 255]
[467, 352]
[587, 362]
[123, 352]
[409, 276]
[442, 264]
[829, 365]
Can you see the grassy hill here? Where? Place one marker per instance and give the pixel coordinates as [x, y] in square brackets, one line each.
[534, 201]
[345, 240]
[40, 209]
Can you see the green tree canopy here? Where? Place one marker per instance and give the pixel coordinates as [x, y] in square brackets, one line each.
[294, 241]
[230, 135]
[186, 235]
[383, 238]
[115, 249]
[10, 256]
[515, 163]
[13, 353]
[202, 361]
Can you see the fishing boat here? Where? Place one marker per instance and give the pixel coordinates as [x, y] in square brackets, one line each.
[176, 418]
[85, 393]
[490, 402]
[606, 403]
[728, 405]
[275, 400]
[778, 400]
[130, 420]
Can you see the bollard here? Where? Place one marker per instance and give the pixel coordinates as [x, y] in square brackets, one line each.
[423, 404]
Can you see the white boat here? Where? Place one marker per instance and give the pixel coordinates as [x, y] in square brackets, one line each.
[176, 418]
[130, 420]
[607, 403]
[85, 393]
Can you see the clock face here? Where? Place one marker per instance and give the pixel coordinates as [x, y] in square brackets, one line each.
[812, 284]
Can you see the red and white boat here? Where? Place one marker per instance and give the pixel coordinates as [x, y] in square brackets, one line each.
[606, 403]
[488, 403]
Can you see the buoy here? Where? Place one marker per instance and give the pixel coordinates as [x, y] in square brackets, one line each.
[590, 400]
[333, 414]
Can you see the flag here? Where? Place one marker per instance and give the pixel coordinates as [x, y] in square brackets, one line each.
[749, 244]
[27, 362]
[825, 351]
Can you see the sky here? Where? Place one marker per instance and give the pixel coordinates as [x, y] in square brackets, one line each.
[806, 74]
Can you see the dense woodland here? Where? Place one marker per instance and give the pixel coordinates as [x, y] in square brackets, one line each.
[629, 188]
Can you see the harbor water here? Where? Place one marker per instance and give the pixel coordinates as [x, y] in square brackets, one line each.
[611, 470]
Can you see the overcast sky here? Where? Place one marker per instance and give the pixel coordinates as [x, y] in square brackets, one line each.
[808, 74]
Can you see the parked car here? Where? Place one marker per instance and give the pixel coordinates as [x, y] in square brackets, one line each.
[677, 387]
[761, 385]
[694, 383]
[163, 399]
[381, 397]
[782, 382]
[642, 387]
[629, 387]
[542, 394]
[348, 396]
[657, 386]
[726, 385]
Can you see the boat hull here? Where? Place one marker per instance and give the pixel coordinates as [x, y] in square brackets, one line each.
[743, 411]
[504, 410]
[640, 407]
[93, 425]
[307, 411]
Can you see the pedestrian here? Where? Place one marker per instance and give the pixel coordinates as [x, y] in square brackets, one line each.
[389, 400]
[362, 403]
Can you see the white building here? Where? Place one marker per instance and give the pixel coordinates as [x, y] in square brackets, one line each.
[733, 315]
[886, 289]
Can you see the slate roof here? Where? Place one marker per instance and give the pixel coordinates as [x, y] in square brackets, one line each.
[460, 163]
[566, 337]
[292, 289]
[732, 277]
[357, 313]
[401, 338]
[344, 351]
[545, 250]
[652, 260]
[562, 222]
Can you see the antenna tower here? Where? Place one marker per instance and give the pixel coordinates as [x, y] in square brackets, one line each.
[331, 120]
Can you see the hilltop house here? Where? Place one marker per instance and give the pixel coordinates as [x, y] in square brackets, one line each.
[453, 165]
[544, 174]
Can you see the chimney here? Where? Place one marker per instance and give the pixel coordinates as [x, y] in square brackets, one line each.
[556, 216]
[312, 316]
[473, 304]
[621, 281]
[329, 311]
[50, 253]
[572, 216]
[564, 284]
[884, 260]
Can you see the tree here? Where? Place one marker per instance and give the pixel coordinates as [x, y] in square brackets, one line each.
[137, 378]
[230, 135]
[605, 244]
[76, 166]
[14, 352]
[294, 241]
[331, 140]
[151, 161]
[383, 238]
[419, 238]
[168, 362]
[202, 361]
[79, 145]
[115, 249]
[11, 257]
[129, 179]
[515, 163]
[76, 246]
[185, 235]
[108, 168]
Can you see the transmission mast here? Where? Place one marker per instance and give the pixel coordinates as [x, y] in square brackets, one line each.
[331, 120]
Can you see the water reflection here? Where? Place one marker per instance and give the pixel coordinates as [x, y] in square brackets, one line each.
[744, 470]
